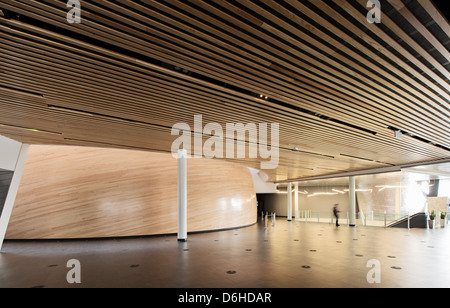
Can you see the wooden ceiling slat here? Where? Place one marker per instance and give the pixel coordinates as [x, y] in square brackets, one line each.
[388, 22]
[121, 97]
[309, 27]
[409, 16]
[435, 15]
[40, 47]
[375, 58]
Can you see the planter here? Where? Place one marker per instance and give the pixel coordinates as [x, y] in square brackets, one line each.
[431, 224]
[443, 223]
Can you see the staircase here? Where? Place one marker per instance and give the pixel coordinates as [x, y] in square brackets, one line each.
[418, 220]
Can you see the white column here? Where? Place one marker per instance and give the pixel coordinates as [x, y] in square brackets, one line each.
[289, 202]
[297, 214]
[5, 215]
[182, 195]
[352, 198]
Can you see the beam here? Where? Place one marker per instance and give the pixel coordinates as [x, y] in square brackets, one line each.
[182, 195]
[289, 202]
[352, 198]
[12, 192]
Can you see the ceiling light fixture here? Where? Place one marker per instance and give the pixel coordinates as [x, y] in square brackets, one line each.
[338, 191]
[322, 193]
[360, 189]
[70, 110]
[30, 129]
[383, 187]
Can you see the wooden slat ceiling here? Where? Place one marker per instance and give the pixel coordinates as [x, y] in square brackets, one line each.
[337, 85]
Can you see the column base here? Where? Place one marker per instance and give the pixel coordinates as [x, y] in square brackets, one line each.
[182, 240]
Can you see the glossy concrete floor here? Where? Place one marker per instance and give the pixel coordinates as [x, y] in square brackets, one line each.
[295, 254]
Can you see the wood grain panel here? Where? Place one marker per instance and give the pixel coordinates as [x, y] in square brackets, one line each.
[81, 192]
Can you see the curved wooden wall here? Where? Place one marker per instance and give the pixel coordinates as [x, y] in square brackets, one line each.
[78, 192]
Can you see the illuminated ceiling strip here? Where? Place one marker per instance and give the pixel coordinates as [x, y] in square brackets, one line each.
[30, 129]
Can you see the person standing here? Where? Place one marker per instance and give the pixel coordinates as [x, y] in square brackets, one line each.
[336, 213]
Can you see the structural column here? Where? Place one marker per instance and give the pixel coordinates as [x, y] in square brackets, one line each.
[289, 202]
[297, 213]
[5, 214]
[352, 198]
[182, 195]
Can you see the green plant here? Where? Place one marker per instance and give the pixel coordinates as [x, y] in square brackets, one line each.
[443, 215]
[433, 215]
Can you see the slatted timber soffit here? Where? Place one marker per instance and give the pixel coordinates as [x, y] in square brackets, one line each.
[338, 85]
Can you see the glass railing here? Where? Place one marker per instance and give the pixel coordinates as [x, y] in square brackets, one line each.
[369, 218]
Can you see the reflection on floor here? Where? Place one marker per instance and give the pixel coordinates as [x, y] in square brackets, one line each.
[295, 254]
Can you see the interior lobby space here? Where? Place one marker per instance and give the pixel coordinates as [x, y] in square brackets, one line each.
[224, 143]
[287, 255]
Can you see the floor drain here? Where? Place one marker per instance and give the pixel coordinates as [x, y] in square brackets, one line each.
[312, 250]
[338, 241]
[248, 250]
[359, 255]
[186, 249]
[231, 272]
[53, 265]
[396, 267]
[306, 266]
[134, 265]
[392, 257]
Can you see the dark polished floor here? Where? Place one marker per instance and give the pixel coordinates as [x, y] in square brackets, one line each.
[295, 254]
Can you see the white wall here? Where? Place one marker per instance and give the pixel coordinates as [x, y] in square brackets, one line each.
[9, 152]
[259, 181]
